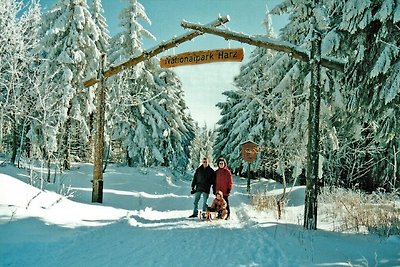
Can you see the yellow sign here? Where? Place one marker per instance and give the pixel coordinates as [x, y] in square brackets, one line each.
[202, 57]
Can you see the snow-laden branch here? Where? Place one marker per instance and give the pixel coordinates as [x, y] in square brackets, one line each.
[389, 44]
[261, 41]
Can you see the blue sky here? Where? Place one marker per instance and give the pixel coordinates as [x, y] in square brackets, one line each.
[203, 84]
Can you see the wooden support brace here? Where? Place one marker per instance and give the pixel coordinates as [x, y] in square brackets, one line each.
[155, 51]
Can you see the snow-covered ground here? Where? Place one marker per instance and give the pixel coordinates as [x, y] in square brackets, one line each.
[143, 222]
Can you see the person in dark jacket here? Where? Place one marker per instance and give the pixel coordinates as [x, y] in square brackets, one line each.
[223, 181]
[203, 179]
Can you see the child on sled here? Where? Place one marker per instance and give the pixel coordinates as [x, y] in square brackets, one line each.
[218, 207]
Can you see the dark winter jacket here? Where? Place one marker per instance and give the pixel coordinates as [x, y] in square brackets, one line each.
[203, 179]
[223, 181]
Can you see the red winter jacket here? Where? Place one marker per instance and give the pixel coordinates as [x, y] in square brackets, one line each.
[223, 181]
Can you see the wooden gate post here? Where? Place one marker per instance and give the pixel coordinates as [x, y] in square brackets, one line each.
[311, 194]
[97, 192]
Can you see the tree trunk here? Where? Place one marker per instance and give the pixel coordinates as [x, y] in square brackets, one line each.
[66, 143]
[14, 139]
[48, 170]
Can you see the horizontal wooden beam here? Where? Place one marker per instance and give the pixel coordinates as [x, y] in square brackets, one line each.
[147, 54]
[260, 41]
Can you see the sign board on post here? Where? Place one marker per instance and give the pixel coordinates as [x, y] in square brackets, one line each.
[249, 151]
[202, 57]
[249, 154]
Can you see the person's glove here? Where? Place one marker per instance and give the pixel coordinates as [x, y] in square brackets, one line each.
[193, 191]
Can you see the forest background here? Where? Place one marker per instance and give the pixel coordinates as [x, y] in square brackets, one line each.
[47, 115]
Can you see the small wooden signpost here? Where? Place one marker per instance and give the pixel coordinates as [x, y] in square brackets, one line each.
[249, 154]
[202, 57]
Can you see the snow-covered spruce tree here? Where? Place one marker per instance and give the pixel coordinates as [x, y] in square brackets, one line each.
[287, 89]
[250, 121]
[148, 112]
[249, 118]
[160, 131]
[225, 127]
[252, 84]
[130, 88]
[97, 12]
[254, 76]
[201, 146]
[342, 160]
[263, 110]
[164, 132]
[369, 33]
[68, 56]
[358, 119]
[19, 26]
[31, 21]
[8, 24]
[179, 131]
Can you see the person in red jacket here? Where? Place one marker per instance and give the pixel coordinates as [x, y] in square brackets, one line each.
[223, 182]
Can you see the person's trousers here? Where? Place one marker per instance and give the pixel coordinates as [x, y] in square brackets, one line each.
[197, 196]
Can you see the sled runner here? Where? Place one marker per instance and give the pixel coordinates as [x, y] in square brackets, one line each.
[213, 215]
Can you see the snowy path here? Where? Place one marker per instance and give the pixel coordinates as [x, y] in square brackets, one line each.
[143, 222]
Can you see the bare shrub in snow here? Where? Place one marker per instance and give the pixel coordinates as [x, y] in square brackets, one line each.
[267, 201]
[354, 210]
